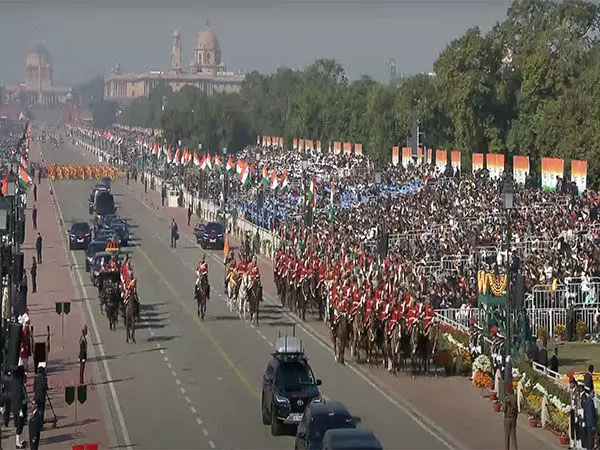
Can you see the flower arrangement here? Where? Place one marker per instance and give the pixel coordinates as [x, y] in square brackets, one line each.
[542, 333]
[581, 329]
[498, 284]
[482, 380]
[482, 364]
[559, 330]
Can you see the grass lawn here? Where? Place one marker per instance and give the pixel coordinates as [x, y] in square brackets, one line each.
[576, 356]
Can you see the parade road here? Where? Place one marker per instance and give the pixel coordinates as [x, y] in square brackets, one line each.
[193, 384]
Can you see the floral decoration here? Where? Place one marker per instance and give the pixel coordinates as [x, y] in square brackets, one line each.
[581, 329]
[559, 329]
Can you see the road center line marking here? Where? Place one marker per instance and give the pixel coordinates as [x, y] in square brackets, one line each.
[193, 410]
[205, 432]
[199, 420]
[211, 444]
[182, 390]
[173, 373]
[187, 399]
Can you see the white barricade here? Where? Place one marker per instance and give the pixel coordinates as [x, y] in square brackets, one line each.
[583, 291]
[543, 296]
[456, 263]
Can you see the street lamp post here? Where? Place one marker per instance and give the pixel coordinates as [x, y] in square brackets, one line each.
[508, 194]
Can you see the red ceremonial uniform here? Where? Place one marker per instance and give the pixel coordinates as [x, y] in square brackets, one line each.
[394, 317]
[112, 265]
[241, 267]
[231, 267]
[25, 347]
[369, 309]
[356, 298]
[202, 268]
[125, 276]
[429, 314]
[412, 316]
[252, 270]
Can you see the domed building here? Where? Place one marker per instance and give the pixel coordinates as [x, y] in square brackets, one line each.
[206, 71]
[38, 88]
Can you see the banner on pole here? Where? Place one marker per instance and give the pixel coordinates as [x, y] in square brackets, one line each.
[551, 169]
[579, 174]
[520, 169]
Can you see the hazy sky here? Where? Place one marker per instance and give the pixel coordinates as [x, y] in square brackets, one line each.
[88, 37]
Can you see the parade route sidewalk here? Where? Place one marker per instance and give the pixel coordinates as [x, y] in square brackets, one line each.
[450, 402]
[83, 423]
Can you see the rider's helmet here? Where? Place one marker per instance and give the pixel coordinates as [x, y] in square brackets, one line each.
[254, 260]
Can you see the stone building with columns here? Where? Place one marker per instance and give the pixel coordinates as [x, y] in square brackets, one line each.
[206, 71]
[38, 88]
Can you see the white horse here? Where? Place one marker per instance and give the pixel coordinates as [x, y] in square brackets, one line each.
[243, 297]
[231, 292]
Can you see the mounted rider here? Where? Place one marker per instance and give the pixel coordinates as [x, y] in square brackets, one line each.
[130, 293]
[252, 269]
[125, 275]
[201, 269]
[230, 268]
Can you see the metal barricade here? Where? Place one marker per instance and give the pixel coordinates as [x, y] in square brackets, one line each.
[543, 296]
[550, 317]
[583, 291]
[461, 316]
[484, 255]
[456, 263]
[429, 268]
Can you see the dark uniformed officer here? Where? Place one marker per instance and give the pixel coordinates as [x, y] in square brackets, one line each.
[511, 411]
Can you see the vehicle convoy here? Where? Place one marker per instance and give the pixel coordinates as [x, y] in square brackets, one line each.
[288, 385]
[99, 258]
[80, 235]
[96, 246]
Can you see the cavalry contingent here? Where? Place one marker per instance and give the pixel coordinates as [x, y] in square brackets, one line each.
[366, 309]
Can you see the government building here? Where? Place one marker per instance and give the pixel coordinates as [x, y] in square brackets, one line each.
[38, 88]
[206, 71]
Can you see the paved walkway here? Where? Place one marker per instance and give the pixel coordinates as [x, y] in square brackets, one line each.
[55, 284]
[450, 402]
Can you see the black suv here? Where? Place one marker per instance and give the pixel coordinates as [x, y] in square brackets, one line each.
[288, 385]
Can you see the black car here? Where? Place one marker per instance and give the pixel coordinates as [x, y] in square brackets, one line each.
[211, 235]
[318, 418]
[288, 386]
[108, 219]
[97, 262]
[96, 246]
[105, 182]
[121, 232]
[98, 189]
[103, 235]
[105, 205]
[349, 439]
[80, 236]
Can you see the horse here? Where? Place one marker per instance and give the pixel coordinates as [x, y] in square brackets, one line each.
[303, 295]
[242, 297]
[340, 335]
[393, 352]
[431, 335]
[358, 334]
[202, 294]
[283, 290]
[113, 298]
[232, 290]
[375, 337]
[130, 313]
[255, 296]
[417, 341]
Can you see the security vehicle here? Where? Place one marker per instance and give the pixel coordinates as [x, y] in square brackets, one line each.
[80, 235]
[121, 232]
[317, 419]
[103, 235]
[211, 235]
[95, 247]
[95, 266]
[104, 204]
[288, 385]
[105, 182]
[349, 439]
[94, 194]
[108, 219]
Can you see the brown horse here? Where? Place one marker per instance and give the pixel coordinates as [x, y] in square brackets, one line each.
[417, 346]
[340, 335]
[431, 336]
[300, 299]
[202, 294]
[255, 296]
[358, 334]
[375, 338]
[130, 309]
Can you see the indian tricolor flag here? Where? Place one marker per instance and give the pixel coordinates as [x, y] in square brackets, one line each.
[240, 166]
[229, 165]
[218, 163]
[495, 165]
[283, 181]
[407, 158]
[455, 160]
[265, 176]
[441, 160]
[178, 156]
[520, 169]
[24, 162]
[169, 156]
[24, 178]
[551, 168]
[244, 173]
[477, 162]
[274, 180]
[197, 161]
[395, 155]
[579, 175]
[206, 162]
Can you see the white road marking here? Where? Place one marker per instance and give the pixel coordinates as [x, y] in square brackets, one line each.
[205, 432]
[199, 420]
[92, 319]
[187, 399]
[211, 444]
[419, 418]
[178, 382]
[162, 352]
[173, 373]
[182, 390]
[169, 366]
